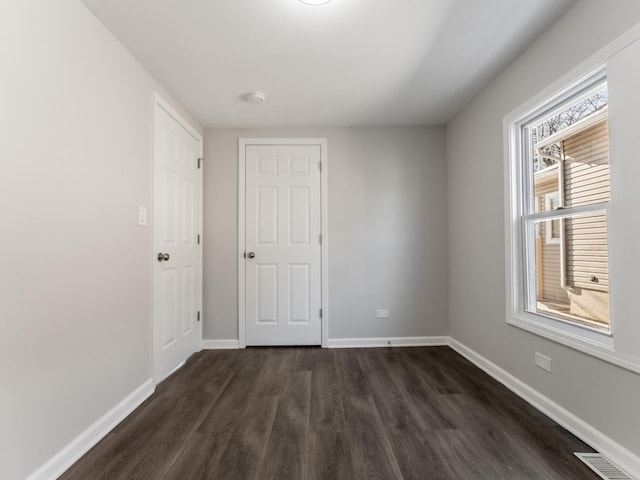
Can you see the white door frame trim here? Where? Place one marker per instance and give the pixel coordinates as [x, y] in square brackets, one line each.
[160, 102]
[243, 143]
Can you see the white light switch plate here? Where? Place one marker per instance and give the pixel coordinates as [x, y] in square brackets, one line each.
[142, 216]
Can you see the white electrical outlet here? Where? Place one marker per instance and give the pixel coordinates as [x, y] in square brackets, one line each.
[382, 313]
[542, 361]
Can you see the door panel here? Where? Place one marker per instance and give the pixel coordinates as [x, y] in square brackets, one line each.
[267, 216]
[282, 228]
[299, 210]
[299, 293]
[169, 311]
[176, 217]
[267, 294]
[188, 294]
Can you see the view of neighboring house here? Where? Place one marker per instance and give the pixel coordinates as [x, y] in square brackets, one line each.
[571, 253]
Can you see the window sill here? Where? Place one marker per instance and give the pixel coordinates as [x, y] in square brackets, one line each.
[592, 343]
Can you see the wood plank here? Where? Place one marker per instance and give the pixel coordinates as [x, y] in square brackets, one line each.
[428, 413]
[330, 456]
[588, 180]
[418, 388]
[371, 451]
[590, 250]
[598, 131]
[273, 371]
[417, 456]
[225, 413]
[461, 456]
[594, 237]
[201, 454]
[244, 455]
[587, 193]
[393, 408]
[351, 379]
[598, 287]
[161, 451]
[592, 219]
[595, 243]
[591, 154]
[581, 202]
[601, 231]
[438, 380]
[593, 267]
[326, 412]
[493, 437]
[598, 155]
[286, 455]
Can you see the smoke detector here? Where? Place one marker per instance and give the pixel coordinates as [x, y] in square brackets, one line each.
[256, 97]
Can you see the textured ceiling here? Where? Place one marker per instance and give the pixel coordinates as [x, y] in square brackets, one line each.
[346, 63]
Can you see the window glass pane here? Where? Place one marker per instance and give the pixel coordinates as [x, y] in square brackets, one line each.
[569, 152]
[553, 232]
[571, 280]
[585, 169]
[547, 185]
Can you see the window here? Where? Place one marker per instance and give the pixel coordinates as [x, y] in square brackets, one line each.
[563, 234]
[561, 185]
[552, 227]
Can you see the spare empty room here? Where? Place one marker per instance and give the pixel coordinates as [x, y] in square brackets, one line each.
[304, 239]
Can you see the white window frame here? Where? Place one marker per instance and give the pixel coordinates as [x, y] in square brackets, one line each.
[582, 338]
[525, 213]
[618, 352]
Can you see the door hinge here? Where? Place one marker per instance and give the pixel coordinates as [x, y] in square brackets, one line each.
[320, 166]
[200, 160]
[320, 313]
[198, 239]
[320, 239]
[198, 315]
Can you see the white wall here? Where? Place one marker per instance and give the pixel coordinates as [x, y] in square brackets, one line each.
[605, 396]
[75, 276]
[387, 230]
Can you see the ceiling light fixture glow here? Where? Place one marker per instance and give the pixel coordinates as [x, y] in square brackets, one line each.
[314, 2]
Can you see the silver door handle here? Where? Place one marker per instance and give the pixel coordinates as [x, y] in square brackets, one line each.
[163, 256]
[251, 255]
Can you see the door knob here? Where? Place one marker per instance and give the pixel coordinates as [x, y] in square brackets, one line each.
[251, 255]
[163, 256]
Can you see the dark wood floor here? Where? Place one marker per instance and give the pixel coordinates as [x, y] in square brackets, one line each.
[308, 413]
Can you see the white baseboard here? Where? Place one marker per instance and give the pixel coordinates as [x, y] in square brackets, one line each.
[387, 342]
[624, 458]
[80, 445]
[220, 344]
[348, 342]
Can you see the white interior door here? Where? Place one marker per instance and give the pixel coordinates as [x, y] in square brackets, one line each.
[177, 273]
[282, 245]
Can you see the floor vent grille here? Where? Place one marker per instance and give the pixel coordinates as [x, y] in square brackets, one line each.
[602, 466]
